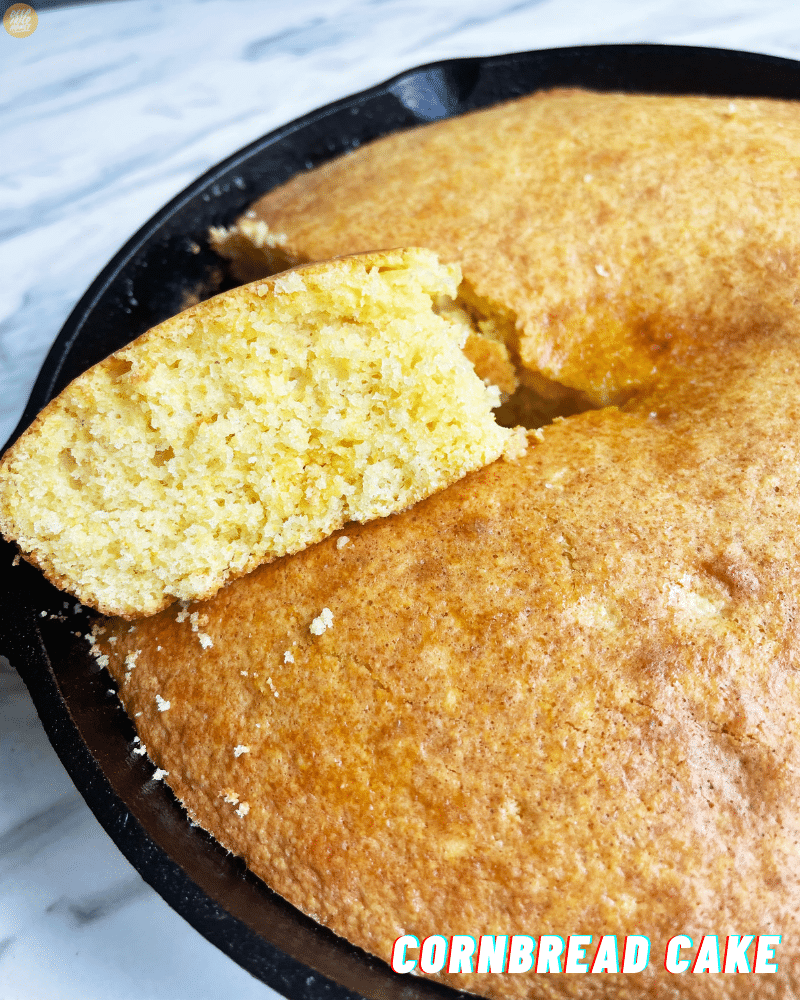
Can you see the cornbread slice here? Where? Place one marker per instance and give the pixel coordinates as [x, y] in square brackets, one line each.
[249, 427]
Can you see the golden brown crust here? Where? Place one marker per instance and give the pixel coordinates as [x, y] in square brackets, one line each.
[491, 362]
[620, 231]
[559, 697]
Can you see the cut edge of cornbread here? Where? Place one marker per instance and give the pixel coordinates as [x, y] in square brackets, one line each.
[247, 428]
[528, 397]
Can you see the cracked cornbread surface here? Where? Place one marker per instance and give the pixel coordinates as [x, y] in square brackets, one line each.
[250, 426]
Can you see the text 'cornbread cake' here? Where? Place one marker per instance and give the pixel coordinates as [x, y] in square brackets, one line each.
[251, 426]
[603, 236]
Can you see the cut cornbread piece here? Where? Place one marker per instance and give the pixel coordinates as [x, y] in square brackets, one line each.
[249, 427]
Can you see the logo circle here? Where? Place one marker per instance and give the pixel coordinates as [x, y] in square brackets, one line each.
[20, 20]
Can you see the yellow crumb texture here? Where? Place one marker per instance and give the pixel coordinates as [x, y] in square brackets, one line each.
[249, 427]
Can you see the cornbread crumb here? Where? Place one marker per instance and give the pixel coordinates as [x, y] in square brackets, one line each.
[137, 486]
[163, 704]
[231, 797]
[159, 774]
[205, 640]
[238, 751]
[287, 656]
[243, 810]
[341, 541]
[324, 620]
[290, 282]
[197, 620]
[517, 444]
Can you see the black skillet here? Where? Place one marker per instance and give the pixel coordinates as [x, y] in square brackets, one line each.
[152, 277]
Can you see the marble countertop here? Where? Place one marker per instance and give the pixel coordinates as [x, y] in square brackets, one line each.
[107, 110]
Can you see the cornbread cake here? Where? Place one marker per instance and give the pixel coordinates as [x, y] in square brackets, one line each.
[559, 697]
[250, 426]
[603, 236]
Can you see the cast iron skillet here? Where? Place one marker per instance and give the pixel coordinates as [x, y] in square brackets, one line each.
[151, 278]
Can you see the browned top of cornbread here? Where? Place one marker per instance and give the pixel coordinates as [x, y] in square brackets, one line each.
[617, 231]
[561, 696]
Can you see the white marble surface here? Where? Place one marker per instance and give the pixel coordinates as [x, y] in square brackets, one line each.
[106, 111]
